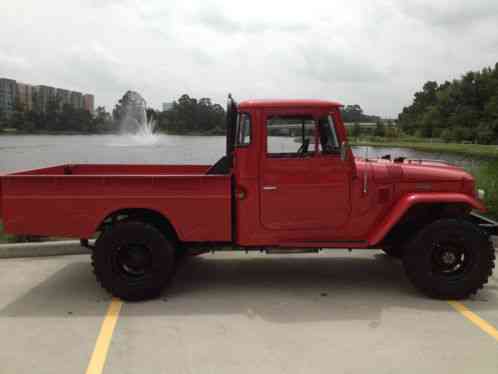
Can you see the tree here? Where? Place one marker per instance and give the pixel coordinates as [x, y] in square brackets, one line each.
[380, 129]
[130, 111]
[102, 122]
[356, 132]
[352, 113]
[189, 115]
[51, 115]
[391, 131]
[2, 120]
[462, 110]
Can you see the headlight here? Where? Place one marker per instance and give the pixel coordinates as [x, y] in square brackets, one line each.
[481, 194]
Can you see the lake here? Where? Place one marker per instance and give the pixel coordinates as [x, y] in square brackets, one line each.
[33, 151]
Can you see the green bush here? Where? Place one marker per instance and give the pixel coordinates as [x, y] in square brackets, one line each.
[487, 178]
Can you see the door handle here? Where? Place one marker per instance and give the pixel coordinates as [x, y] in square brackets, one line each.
[269, 188]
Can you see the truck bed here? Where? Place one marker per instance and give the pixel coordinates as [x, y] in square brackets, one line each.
[73, 200]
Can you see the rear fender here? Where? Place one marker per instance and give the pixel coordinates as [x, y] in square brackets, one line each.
[410, 200]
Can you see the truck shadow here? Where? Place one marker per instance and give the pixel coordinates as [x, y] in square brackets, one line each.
[282, 289]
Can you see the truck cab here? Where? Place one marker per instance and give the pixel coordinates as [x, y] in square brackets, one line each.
[293, 173]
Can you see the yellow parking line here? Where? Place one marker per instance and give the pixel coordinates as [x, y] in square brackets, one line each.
[99, 355]
[475, 319]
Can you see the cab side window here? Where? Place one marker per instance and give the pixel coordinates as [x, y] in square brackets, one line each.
[289, 136]
[243, 129]
[328, 141]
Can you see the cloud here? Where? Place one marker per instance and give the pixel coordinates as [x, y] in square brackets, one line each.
[375, 54]
[452, 14]
[328, 65]
[216, 19]
[12, 62]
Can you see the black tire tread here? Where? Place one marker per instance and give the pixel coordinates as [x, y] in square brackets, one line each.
[394, 251]
[105, 280]
[424, 285]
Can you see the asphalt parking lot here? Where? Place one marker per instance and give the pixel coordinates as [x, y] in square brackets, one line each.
[335, 312]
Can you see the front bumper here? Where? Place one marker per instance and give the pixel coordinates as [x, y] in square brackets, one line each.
[486, 224]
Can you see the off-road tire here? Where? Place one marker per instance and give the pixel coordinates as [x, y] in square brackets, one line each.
[395, 251]
[422, 252]
[115, 278]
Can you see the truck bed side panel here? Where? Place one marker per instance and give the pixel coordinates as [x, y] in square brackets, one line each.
[117, 169]
[198, 206]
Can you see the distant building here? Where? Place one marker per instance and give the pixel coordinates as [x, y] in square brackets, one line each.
[24, 94]
[89, 103]
[38, 97]
[42, 95]
[63, 96]
[167, 106]
[8, 93]
[77, 100]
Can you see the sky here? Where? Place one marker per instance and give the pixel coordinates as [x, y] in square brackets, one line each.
[373, 53]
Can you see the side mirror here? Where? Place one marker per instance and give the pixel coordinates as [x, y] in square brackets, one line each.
[344, 150]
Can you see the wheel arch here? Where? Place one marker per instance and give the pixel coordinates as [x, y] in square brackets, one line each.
[146, 215]
[414, 211]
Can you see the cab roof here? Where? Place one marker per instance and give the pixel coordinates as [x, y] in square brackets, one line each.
[272, 103]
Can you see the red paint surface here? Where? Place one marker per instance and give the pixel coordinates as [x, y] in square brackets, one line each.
[48, 202]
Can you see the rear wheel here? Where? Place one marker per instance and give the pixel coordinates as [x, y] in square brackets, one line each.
[133, 260]
[449, 259]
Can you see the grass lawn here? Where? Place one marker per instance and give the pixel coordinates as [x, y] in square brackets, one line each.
[5, 238]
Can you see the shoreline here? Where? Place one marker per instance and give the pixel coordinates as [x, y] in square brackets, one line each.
[489, 152]
[102, 133]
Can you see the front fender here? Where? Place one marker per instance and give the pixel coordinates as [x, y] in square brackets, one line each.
[409, 200]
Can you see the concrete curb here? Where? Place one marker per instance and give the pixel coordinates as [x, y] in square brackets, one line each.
[42, 249]
[62, 248]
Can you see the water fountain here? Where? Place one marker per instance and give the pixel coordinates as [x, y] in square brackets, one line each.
[136, 129]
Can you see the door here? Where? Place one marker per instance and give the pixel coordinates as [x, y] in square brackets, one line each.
[304, 184]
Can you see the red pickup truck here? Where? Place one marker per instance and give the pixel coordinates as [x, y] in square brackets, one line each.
[288, 182]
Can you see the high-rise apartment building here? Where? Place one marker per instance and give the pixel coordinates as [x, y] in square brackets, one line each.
[42, 96]
[63, 96]
[77, 100]
[25, 95]
[38, 97]
[8, 93]
[89, 103]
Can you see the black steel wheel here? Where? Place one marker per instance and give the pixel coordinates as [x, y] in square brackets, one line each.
[133, 260]
[449, 259]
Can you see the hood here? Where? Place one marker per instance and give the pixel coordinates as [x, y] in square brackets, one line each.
[433, 171]
[387, 171]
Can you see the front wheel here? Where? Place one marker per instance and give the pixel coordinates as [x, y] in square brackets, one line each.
[393, 251]
[449, 259]
[133, 261]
